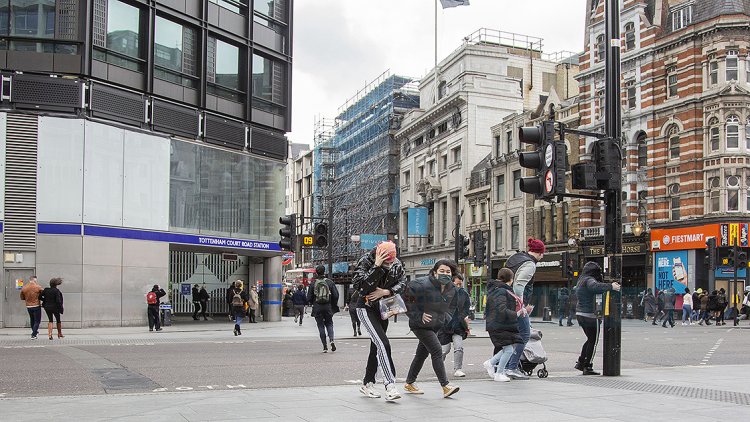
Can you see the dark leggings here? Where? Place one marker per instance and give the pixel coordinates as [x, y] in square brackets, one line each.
[325, 323]
[355, 322]
[590, 328]
[380, 347]
[51, 313]
[429, 345]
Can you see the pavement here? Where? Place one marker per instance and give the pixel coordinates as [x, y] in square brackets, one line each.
[275, 371]
[688, 393]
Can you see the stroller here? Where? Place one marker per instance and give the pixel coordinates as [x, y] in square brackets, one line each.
[533, 355]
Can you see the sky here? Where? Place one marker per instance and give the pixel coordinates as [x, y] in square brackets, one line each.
[342, 45]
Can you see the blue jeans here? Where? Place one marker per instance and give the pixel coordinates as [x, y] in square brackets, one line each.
[35, 317]
[502, 357]
[687, 313]
[524, 329]
[238, 318]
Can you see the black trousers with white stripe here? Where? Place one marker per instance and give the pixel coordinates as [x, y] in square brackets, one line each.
[380, 347]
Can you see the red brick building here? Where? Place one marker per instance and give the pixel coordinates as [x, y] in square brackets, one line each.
[686, 131]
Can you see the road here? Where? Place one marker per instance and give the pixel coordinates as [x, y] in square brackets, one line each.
[286, 355]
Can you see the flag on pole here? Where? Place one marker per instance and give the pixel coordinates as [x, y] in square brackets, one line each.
[453, 3]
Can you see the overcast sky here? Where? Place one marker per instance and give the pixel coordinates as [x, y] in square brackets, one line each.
[341, 45]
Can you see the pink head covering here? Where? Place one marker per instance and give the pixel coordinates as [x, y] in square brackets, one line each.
[389, 247]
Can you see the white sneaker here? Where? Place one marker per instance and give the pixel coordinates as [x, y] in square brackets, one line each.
[459, 373]
[490, 369]
[516, 375]
[369, 391]
[391, 393]
[501, 377]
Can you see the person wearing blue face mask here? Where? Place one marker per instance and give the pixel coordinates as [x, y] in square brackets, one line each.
[430, 301]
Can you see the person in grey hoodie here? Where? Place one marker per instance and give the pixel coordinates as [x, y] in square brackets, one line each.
[590, 284]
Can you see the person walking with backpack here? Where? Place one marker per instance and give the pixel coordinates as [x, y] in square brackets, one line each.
[324, 297]
[457, 329]
[590, 284]
[523, 265]
[239, 299]
[299, 298]
[379, 274]
[429, 301]
[52, 302]
[152, 307]
[721, 306]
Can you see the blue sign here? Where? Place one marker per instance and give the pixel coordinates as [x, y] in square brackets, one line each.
[418, 222]
[340, 267]
[427, 261]
[728, 272]
[185, 289]
[671, 270]
[369, 241]
[123, 233]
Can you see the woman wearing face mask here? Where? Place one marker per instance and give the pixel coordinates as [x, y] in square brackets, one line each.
[428, 301]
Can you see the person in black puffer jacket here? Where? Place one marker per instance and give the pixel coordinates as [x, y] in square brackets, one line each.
[457, 329]
[589, 285]
[379, 274]
[501, 318]
[428, 302]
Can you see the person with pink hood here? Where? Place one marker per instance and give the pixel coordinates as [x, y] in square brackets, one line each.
[379, 274]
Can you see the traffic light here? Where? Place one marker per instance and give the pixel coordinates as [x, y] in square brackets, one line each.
[741, 259]
[479, 248]
[321, 235]
[608, 161]
[710, 259]
[288, 233]
[730, 259]
[462, 247]
[548, 161]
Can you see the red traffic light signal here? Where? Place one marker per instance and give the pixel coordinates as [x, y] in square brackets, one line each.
[548, 161]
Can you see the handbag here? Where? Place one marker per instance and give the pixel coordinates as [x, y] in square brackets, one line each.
[390, 306]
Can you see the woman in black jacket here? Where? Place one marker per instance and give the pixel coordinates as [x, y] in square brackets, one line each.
[428, 303]
[501, 318]
[457, 329]
[52, 302]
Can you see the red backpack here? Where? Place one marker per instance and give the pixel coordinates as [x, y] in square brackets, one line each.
[151, 298]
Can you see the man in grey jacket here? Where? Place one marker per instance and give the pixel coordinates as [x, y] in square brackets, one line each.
[523, 265]
[669, 300]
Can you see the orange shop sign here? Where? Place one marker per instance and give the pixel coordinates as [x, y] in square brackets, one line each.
[683, 238]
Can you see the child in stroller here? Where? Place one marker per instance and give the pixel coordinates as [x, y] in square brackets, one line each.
[533, 355]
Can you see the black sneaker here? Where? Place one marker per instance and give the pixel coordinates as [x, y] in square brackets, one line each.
[158, 329]
[590, 371]
[579, 366]
[325, 349]
[333, 346]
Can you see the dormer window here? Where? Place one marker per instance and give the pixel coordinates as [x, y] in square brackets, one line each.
[682, 17]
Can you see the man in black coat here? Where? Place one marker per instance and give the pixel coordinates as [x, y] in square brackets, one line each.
[153, 308]
[590, 283]
[562, 304]
[203, 298]
[324, 297]
[196, 301]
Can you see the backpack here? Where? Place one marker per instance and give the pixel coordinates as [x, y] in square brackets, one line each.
[151, 298]
[237, 298]
[322, 292]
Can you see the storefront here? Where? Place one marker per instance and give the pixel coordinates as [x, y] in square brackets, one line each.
[679, 257]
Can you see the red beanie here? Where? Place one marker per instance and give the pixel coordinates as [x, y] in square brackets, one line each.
[536, 245]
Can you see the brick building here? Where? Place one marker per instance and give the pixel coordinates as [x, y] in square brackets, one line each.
[686, 135]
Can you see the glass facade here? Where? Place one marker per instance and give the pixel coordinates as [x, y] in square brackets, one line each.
[175, 52]
[218, 192]
[123, 36]
[224, 70]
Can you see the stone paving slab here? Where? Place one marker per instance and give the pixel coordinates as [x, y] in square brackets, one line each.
[534, 400]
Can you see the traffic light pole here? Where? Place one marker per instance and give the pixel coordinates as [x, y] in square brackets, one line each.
[613, 196]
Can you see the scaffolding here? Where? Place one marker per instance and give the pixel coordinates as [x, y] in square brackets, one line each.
[357, 164]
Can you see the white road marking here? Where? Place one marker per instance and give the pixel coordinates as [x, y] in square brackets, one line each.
[711, 352]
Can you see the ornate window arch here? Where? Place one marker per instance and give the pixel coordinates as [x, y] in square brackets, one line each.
[673, 138]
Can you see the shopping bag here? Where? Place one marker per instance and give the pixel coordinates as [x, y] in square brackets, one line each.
[390, 306]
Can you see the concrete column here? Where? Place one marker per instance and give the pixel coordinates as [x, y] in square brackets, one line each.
[272, 287]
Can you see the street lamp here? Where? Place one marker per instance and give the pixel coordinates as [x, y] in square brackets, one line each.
[637, 227]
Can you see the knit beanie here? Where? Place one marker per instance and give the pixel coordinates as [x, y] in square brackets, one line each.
[389, 247]
[536, 245]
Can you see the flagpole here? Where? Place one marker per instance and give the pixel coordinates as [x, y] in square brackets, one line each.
[436, 52]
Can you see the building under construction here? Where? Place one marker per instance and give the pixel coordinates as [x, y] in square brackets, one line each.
[356, 168]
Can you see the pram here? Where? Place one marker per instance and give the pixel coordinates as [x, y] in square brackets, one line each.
[533, 355]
